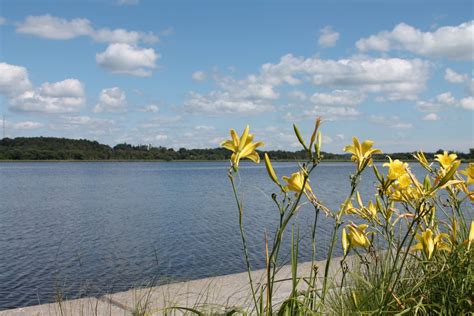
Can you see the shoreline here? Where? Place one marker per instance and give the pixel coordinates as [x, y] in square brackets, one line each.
[218, 292]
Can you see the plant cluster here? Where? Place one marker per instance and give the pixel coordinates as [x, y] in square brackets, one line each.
[411, 242]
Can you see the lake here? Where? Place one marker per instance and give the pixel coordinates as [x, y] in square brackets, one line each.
[91, 228]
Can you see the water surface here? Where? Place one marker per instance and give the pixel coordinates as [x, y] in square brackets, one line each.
[91, 228]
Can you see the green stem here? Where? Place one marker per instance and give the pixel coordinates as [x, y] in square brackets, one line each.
[244, 239]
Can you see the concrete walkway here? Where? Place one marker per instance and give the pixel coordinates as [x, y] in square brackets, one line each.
[214, 295]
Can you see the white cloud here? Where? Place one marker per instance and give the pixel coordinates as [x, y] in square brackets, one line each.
[454, 77]
[452, 42]
[445, 100]
[3, 20]
[111, 100]
[59, 97]
[161, 137]
[128, 2]
[13, 80]
[393, 122]
[431, 117]
[328, 37]
[333, 113]
[151, 108]
[337, 98]
[467, 103]
[298, 95]
[27, 125]
[106, 35]
[56, 28]
[217, 102]
[87, 120]
[199, 76]
[126, 59]
[204, 128]
[397, 78]
[47, 26]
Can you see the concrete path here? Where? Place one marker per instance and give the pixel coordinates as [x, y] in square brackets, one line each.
[215, 294]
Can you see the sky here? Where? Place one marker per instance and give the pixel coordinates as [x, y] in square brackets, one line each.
[182, 73]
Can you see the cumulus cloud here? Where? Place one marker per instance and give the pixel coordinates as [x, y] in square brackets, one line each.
[393, 122]
[127, 59]
[218, 102]
[204, 128]
[56, 28]
[57, 97]
[454, 77]
[27, 125]
[467, 103]
[13, 80]
[199, 76]
[452, 42]
[431, 117]
[397, 78]
[445, 100]
[151, 108]
[333, 113]
[111, 100]
[457, 78]
[338, 98]
[328, 37]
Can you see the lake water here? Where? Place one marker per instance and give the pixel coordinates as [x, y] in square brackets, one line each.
[93, 228]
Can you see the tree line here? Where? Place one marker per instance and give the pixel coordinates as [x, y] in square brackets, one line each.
[52, 148]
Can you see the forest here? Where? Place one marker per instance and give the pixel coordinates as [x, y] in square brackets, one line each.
[52, 148]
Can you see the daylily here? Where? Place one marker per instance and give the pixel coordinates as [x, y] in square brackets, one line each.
[396, 168]
[469, 172]
[361, 153]
[471, 235]
[295, 182]
[428, 244]
[445, 159]
[242, 147]
[404, 181]
[357, 236]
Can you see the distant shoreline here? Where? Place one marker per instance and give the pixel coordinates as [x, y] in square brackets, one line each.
[191, 160]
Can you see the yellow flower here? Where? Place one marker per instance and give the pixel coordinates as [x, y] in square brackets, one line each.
[396, 168]
[361, 153]
[428, 244]
[445, 159]
[469, 172]
[295, 182]
[242, 147]
[357, 235]
[404, 181]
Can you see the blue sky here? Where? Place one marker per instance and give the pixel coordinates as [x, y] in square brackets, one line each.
[181, 73]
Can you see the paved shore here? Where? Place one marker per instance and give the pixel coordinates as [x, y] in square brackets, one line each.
[215, 294]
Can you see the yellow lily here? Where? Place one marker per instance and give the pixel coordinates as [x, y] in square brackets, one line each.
[469, 172]
[445, 159]
[361, 153]
[242, 147]
[295, 182]
[404, 181]
[396, 168]
[357, 236]
[428, 244]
